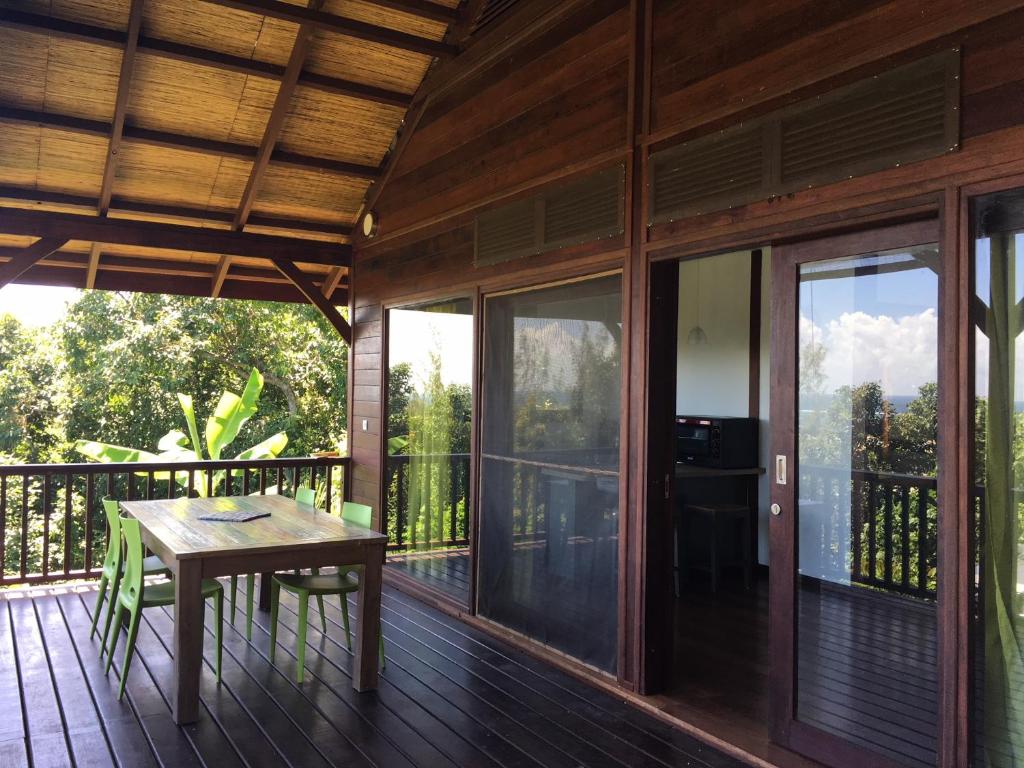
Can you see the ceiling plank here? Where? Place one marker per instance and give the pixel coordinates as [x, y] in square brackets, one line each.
[71, 30]
[153, 138]
[422, 8]
[124, 87]
[122, 206]
[94, 266]
[275, 123]
[150, 234]
[27, 257]
[316, 298]
[342, 26]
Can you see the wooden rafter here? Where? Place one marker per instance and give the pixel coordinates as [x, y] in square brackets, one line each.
[151, 234]
[199, 215]
[275, 123]
[168, 49]
[342, 26]
[330, 284]
[27, 257]
[124, 87]
[94, 266]
[153, 138]
[316, 297]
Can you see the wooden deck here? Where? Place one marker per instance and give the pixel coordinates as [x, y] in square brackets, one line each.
[446, 571]
[450, 696]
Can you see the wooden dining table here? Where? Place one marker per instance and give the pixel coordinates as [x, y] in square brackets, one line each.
[293, 536]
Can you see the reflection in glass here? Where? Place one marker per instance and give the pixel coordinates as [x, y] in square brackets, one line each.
[998, 222]
[430, 364]
[550, 466]
[867, 504]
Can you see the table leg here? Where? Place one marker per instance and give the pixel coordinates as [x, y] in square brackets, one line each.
[364, 667]
[188, 640]
[265, 591]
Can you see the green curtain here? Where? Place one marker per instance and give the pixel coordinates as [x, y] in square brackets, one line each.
[431, 434]
[1003, 651]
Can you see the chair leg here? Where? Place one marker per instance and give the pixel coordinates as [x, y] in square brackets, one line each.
[250, 589]
[303, 625]
[344, 620]
[234, 594]
[275, 603]
[218, 632]
[100, 594]
[115, 588]
[323, 615]
[118, 614]
[129, 650]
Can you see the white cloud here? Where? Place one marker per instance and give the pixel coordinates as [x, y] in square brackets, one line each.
[899, 352]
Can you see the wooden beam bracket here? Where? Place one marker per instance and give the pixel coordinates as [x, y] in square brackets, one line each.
[28, 257]
[316, 298]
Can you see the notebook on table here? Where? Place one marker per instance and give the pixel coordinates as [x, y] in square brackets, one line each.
[234, 516]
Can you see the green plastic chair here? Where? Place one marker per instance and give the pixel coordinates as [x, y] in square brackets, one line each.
[111, 572]
[134, 595]
[343, 582]
[304, 495]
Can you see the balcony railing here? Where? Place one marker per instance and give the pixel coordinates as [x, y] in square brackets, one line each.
[443, 495]
[52, 525]
[891, 539]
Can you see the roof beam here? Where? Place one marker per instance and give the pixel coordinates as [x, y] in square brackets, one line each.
[271, 133]
[124, 87]
[28, 257]
[342, 26]
[308, 288]
[119, 205]
[167, 49]
[331, 281]
[153, 138]
[151, 234]
[94, 266]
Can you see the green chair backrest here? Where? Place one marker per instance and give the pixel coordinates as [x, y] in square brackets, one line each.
[131, 582]
[112, 560]
[306, 495]
[357, 514]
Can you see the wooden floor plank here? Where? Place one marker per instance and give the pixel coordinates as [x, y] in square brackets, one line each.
[124, 734]
[12, 725]
[48, 743]
[86, 735]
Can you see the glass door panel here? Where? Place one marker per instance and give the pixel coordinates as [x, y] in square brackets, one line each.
[549, 497]
[861, 539]
[998, 470]
[427, 480]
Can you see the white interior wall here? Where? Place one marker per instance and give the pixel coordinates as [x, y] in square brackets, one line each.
[713, 379]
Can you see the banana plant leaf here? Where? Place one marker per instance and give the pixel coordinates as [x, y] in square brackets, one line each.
[190, 418]
[105, 453]
[231, 414]
[268, 449]
[173, 441]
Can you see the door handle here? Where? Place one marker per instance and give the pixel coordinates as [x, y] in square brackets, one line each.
[776, 510]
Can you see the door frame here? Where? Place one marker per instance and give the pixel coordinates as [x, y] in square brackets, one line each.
[784, 726]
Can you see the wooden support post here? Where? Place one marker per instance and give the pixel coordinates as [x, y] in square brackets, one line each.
[94, 266]
[316, 297]
[24, 260]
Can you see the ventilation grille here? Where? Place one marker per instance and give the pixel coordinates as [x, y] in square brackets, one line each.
[902, 116]
[582, 211]
[492, 10]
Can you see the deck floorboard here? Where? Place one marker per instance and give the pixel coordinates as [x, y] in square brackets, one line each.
[450, 696]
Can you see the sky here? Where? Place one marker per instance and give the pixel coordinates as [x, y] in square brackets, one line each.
[36, 305]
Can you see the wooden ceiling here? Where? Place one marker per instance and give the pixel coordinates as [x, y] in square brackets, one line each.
[238, 129]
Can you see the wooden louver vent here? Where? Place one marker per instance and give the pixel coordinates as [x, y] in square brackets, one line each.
[581, 211]
[902, 116]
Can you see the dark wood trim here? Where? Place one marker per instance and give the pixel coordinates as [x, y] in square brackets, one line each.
[148, 137]
[151, 234]
[327, 22]
[120, 205]
[463, 27]
[27, 257]
[124, 87]
[309, 289]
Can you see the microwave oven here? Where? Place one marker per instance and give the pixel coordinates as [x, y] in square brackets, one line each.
[722, 443]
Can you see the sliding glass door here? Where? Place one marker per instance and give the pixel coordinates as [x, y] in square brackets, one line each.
[429, 425]
[549, 496]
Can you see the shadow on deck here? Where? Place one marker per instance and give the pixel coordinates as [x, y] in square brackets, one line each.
[450, 696]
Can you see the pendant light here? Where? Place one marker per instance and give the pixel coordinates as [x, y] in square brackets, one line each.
[697, 336]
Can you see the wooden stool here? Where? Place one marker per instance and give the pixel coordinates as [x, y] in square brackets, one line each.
[721, 517]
